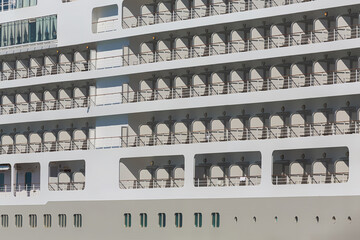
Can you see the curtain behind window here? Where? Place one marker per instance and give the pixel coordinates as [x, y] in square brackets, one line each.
[25, 31]
[39, 29]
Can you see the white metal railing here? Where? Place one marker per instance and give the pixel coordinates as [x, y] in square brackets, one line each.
[5, 188]
[179, 53]
[252, 44]
[151, 183]
[54, 146]
[24, 190]
[47, 105]
[66, 186]
[50, 69]
[310, 179]
[190, 137]
[227, 181]
[213, 9]
[231, 87]
[243, 134]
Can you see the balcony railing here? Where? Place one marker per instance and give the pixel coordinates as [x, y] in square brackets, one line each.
[213, 9]
[6, 188]
[55, 146]
[66, 186]
[191, 91]
[296, 179]
[152, 183]
[191, 137]
[270, 42]
[48, 105]
[221, 135]
[45, 70]
[227, 181]
[22, 190]
[231, 87]
[251, 44]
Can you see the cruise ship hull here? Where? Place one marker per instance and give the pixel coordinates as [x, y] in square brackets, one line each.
[317, 218]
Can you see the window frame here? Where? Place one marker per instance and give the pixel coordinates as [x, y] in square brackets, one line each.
[198, 219]
[143, 220]
[4, 220]
[127, 220]
[162, 220]
[62, 220]
[215, 219]
[18, 221]
[47, 220]
[78, 220]
[178, 220]
[33, 220]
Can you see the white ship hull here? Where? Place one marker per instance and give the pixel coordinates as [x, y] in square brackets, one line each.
[338, 218]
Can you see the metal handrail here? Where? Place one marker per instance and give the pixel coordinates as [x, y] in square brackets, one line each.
[151, 183]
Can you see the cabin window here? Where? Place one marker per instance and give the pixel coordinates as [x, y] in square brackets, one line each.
[62, 220]
[215, 220]
[127, 217]
[33, 220]
[5, 220]
[77, 220]
[30, 30]
[198, 220]
[47, 220]
[143, 220]
[162, 220]
[18, 220]
[178, 220]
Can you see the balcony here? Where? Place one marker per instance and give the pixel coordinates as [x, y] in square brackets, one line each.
[45, 65]
[46, 141]
[67, 176]
[311, 166]
[47, 100]
[237, 42]
[289, 34]
[263, 126]
[152, 172]
[27, 183]
[227, 169]
[171, 11]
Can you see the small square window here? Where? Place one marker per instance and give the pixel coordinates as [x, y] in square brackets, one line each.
[178, 220]
[5, 220]
[62, 220]
[143, 220]
[18, 220]
[47, 220]
[127, 220]
[162, 220]
[198, 220]
[215, 220]
[33, 220]
[77, 220]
